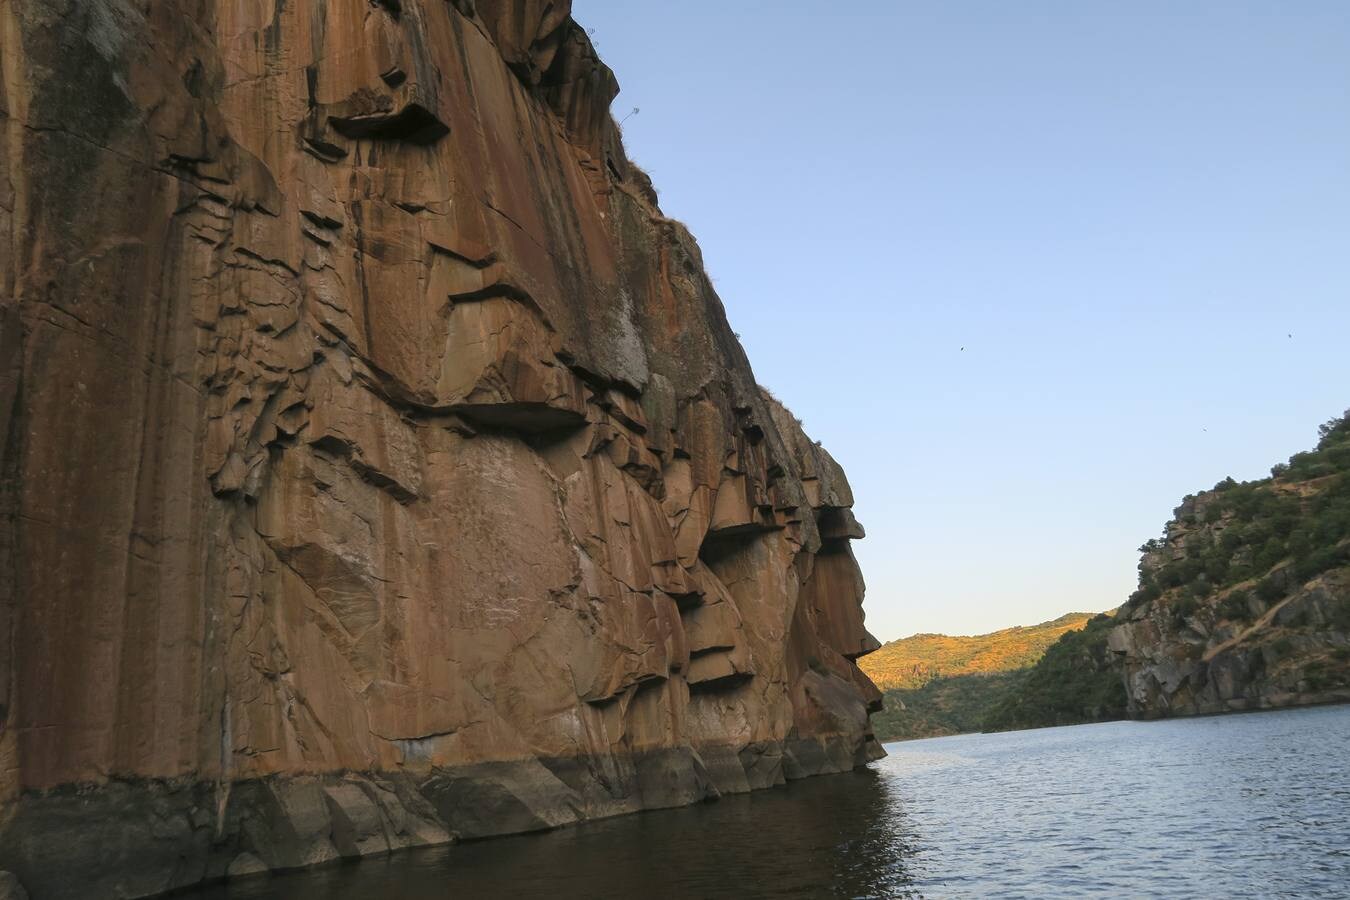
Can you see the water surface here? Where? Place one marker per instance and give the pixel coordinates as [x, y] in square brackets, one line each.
[1245, 805]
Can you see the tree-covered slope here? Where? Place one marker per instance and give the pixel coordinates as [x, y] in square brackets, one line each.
[938, 684]
[914, 661]
[949, 705]
[1074, 682]
[1244, 602]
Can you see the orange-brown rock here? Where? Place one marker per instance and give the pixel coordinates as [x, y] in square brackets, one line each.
[379, 467]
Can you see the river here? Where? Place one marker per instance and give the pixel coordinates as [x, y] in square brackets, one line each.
[1241, 805]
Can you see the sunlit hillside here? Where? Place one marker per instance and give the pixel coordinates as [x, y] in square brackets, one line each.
[911, 662]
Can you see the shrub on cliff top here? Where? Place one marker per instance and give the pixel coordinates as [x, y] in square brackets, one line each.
[1255, 526]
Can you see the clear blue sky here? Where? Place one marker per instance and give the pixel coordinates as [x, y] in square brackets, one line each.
[1120, 210]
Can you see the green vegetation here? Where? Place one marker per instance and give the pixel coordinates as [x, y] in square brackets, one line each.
[1074, 682]
[952, 705]
[1228, 557]
[1233, 551]
[1276, 533]
[912, 662]
[938, 684]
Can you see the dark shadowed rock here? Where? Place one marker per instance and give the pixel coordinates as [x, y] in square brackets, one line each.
[10, 888]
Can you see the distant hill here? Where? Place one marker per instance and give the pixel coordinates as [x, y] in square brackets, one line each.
[1074, 682]
[912, 662]
[959, 704]
[938, 684]
[1243, 603]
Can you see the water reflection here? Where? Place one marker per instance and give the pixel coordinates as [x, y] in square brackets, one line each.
[838, 836]
[1252, 805]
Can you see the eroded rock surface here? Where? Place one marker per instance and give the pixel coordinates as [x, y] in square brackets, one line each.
[379, 467]
[1275, 635]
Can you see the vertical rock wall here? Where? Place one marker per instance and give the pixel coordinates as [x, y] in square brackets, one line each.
[378, 465]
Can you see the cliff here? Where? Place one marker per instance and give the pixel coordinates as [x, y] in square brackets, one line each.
[379, 467]
[1244, 602]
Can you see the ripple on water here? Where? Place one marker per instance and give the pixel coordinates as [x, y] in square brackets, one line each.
[1250, 805]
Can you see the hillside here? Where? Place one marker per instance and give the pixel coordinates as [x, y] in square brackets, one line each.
[958, 704]
[938, 684]
[1074, 682]
[1244, 602]
[911, 662]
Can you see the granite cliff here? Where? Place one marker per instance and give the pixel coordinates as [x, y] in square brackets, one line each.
[1244, 602]
[379, 468]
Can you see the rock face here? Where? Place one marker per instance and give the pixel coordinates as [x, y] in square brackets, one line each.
[379, 467]
[1244, 603]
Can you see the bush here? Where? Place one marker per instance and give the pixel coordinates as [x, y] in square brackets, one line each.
[1236, 606]
[1216, 567]
[1152, 545]
[1073, 682]
[1184, 605]
[1258, 525]
[1269, 591]
[1332, 429]
[1316, 562]
[1145, 594]
[1271, 552]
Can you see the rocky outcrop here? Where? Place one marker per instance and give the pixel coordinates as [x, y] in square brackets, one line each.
[379, 467]
[1244, 603]
[1294, 652]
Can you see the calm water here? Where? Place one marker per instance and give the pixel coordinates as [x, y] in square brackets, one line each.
[1252, 805]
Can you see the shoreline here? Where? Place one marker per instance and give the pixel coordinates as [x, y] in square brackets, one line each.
[137, 838]
[1308, 704]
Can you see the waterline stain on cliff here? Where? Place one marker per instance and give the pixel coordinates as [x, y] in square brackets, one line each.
[390, 472]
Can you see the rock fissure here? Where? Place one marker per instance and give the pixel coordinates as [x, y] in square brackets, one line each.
[398, 464]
